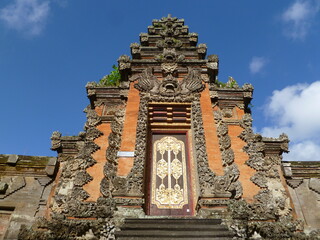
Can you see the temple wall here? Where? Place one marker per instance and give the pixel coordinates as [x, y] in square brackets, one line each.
[307, 204]
[25, 185]
[96, 171]
[303, 182]
[210, 129]
[128, 140]
[249, 188]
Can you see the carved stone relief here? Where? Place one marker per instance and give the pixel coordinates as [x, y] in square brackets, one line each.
[231, 173]
[271, 203]
[170, 86]
[111, 181]
[69, 193]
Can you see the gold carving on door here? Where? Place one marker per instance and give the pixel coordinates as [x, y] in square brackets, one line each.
[169, 176]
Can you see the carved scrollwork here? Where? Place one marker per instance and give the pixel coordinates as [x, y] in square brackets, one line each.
[92, 118]
[82, 178]
[231, 172]
[271, 203]
[135, 181]
[170, 86]
[192, 82]
[148, 82]
[55, 140]
[227, 157]
[109, 184]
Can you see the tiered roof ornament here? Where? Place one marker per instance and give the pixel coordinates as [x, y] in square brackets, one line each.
[166, 52]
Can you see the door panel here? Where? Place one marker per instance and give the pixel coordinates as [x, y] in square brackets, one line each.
[170, 189]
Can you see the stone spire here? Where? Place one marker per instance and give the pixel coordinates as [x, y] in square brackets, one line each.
[169, 43]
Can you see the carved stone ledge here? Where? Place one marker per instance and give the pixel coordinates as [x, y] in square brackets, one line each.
[55, 140]
[202, 50]
[135, 50]
[294, 183]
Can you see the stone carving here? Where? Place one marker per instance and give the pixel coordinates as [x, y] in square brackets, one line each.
[124, 62]
[251, 219]
[135, 177]
[227, 157]
[144, 37]
[169, 26]
[169, 55]
[69, 193]
[147, 82]
[192, 82]
[285, 142]
[169, 42]
[169, 68]
[206, 176]
[111, 183]
[64, 157]
[229, 180]
[213, 62]
[92, 118]
[193, 38]
[227, 112]
[271, 203]
[170, 86]
[92, 134]
[62, 228]
[135, 49]
[55, 140]
[259, 179]
[82, 178]
[202, 50]
[294, 183]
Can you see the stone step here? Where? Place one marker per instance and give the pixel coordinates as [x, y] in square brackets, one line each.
[174, 220]
[172, 238]
[173, 228]
[172, 233]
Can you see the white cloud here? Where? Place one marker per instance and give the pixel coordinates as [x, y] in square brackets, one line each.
[295, 110]
[303, 151]
[256, 64]
[27, 16]
[299, 17]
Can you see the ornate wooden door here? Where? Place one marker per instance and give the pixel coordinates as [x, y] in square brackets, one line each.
[169, 187]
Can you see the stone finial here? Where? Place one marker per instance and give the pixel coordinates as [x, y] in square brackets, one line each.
[55, 140]
[124, 62]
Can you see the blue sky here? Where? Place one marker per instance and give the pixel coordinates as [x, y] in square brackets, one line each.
[49, 50]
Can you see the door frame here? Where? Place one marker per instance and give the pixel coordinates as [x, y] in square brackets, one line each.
[149, 169]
